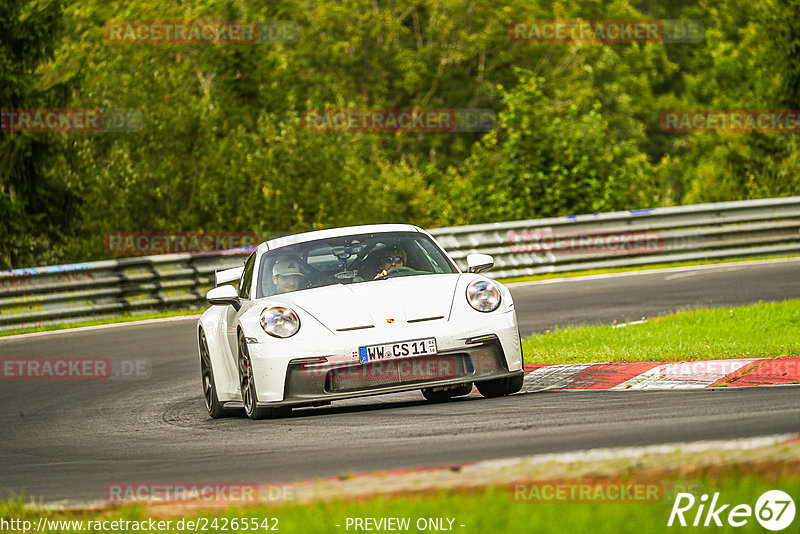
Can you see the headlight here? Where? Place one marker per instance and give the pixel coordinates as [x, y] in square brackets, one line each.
[483, 295]
[278, 321]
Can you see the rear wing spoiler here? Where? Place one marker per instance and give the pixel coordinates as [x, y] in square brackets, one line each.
[228, 275]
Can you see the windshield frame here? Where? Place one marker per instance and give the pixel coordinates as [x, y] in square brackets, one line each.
[267, 259]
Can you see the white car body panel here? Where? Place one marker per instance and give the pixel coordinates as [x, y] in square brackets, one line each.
[338, 319]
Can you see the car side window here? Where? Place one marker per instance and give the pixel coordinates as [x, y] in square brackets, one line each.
[247, 277]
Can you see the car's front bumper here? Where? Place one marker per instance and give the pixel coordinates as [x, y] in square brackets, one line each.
[314, 382]
[312, 374]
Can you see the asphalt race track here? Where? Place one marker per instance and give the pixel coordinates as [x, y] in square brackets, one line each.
[66, 440]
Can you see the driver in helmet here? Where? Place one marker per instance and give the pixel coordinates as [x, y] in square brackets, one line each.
[393, 257]
[286, 275]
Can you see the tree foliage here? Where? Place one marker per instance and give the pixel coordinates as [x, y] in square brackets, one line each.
[36, 206]
[223, 145]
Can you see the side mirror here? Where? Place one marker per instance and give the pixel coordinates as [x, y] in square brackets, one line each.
[478, 263]
[224, 295]
[228, 275]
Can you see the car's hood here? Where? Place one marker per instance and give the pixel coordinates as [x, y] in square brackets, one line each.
[374, 303]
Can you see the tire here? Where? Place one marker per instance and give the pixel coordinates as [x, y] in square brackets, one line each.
[501, 386]
[444, 395]
[515, 384]
[214, 407]
[247, 385]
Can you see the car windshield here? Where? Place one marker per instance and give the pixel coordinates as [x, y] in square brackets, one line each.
[350, 259]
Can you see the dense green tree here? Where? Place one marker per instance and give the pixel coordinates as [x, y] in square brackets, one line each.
[35, 203]
[223, 146]
[554, 154]
[744, 64]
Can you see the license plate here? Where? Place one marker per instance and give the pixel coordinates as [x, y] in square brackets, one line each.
[401, 349]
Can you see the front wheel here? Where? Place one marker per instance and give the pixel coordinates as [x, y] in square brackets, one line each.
[501, 386]
[247, 385]
[214, 407]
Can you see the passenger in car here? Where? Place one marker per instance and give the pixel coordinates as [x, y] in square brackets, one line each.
[392, 258]
[286, 276]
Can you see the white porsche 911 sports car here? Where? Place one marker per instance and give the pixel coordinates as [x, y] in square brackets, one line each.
[357, 311]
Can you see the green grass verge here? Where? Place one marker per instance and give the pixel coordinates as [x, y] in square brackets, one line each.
[493, 510]
[588, 272]
[766, 330]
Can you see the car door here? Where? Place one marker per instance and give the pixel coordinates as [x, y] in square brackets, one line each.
[232, 314]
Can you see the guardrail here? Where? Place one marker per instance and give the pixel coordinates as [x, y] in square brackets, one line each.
[631, 238]
[64, 294]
